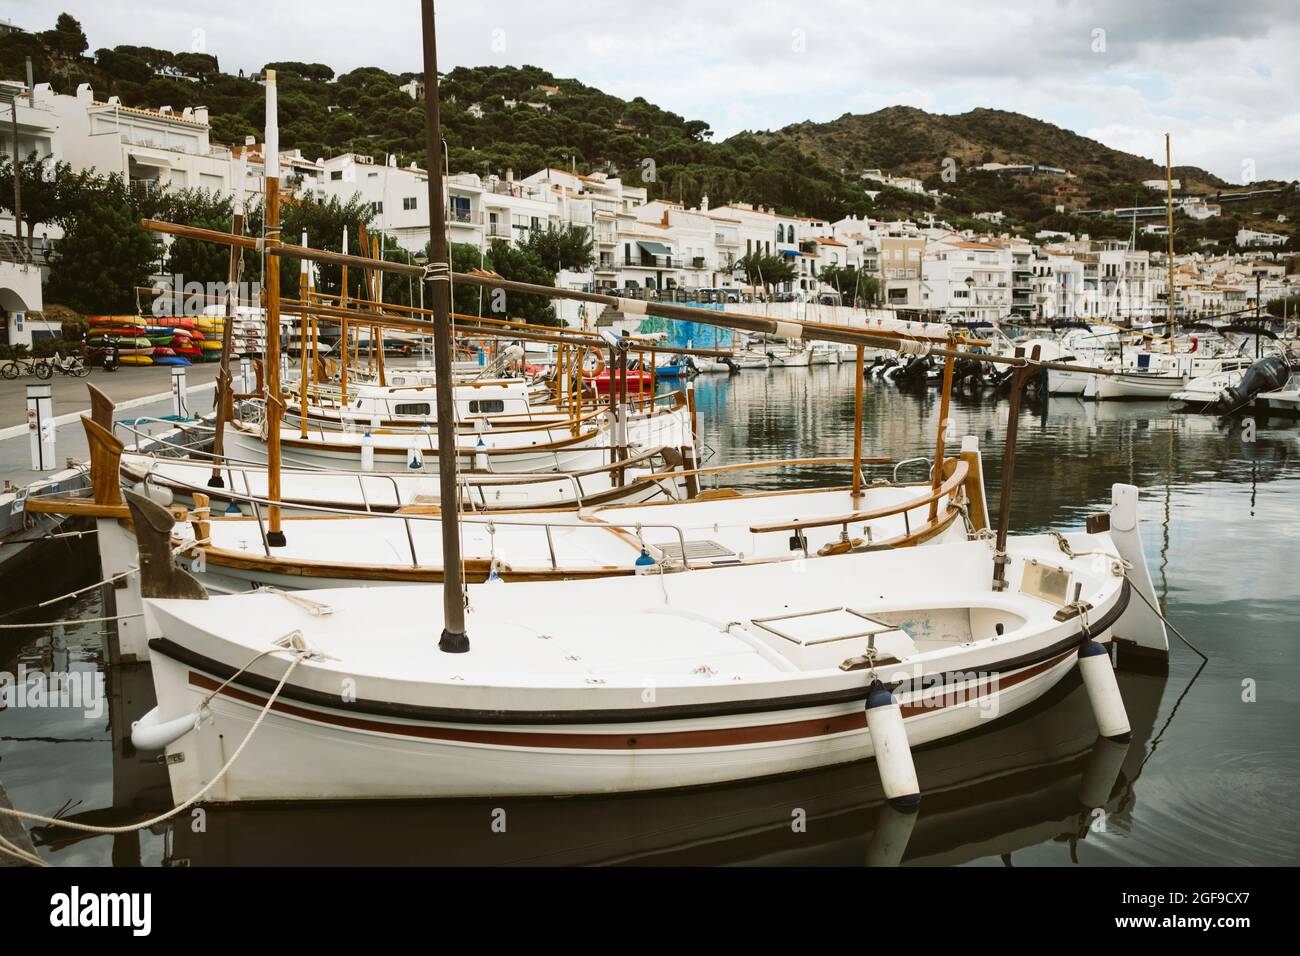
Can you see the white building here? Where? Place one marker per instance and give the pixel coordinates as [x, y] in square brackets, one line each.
[1250, 237]
[966, 279]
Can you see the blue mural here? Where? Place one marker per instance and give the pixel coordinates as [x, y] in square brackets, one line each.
[685, 334]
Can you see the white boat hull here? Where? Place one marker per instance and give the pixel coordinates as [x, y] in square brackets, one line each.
[311, 753]
[1138, 385]
[622, 684]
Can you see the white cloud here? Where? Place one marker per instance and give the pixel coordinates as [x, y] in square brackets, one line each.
[1221, 77]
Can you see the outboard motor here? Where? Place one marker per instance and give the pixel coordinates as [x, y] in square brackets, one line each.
[1267, 375]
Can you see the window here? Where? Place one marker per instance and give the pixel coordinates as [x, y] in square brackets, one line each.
[377, 207]
[408, 202]
[336, 174]
[411, 408]
[486, 406]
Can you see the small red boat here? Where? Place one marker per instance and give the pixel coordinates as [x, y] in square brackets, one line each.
[638, 381]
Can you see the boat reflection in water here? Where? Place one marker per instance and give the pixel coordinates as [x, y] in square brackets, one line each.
[1043, 775]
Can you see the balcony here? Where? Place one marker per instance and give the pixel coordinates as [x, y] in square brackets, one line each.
[725, 239]
[697, 262]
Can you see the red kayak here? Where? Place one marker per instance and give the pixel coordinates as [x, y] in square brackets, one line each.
[638, 381]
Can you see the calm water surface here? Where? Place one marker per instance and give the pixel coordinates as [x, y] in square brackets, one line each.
[1208, 779]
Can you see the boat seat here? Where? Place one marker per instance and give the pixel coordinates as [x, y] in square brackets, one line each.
[829, 637]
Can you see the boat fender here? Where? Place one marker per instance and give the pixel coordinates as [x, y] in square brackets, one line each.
[1103, 692]
[150, 733]
[480, 455]
[644, 564]
[233, 509]
[414, 460]
[159, 494]
[893, 753]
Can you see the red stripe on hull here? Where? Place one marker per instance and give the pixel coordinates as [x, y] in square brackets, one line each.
[664, 740]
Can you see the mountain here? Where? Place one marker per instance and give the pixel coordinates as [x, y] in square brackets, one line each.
[911, 142]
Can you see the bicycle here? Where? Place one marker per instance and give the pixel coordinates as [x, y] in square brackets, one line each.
[72, 365]
[39, 367]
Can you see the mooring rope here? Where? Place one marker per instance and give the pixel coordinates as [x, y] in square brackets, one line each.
[64, 597]
[19, 853]
[300, 654]
[1122, 568]
[69, 621]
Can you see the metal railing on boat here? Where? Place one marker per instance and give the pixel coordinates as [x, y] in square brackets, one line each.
[680, 562]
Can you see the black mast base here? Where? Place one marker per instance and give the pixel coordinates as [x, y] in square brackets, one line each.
[276, 539]
[451, 643]
[216, 481]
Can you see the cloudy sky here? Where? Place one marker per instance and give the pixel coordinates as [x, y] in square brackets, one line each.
[1221, 75]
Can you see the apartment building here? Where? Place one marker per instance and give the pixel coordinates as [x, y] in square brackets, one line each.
[967, 279]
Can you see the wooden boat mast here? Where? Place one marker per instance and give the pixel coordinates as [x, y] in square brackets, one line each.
[945, 400]
[859, 365]
[271, 233]
[343, 304]
[225, 398]
[437, 274]
[303, 333]
[1169, 230]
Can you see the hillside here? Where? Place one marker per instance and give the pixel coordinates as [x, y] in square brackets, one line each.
[911, 142]
[524, 118]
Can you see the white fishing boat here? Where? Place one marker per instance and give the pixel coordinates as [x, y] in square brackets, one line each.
[527, 450]
[720, 528]
[785, 357]
[646, 476]
[751, 358]
[632, 683]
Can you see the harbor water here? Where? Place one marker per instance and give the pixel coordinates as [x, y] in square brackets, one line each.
[1208, 778]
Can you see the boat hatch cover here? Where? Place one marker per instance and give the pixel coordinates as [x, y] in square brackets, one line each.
[699, 550]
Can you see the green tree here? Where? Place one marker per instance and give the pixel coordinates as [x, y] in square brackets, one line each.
[765, 270]
[41, 183]
[67, 38]
[194, 259]
[562, 248]
[104, 253]
[854, 286]
[521, 264]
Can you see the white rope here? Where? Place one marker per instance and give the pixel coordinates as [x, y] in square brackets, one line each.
[10, 849]
[71, 620]
[88, 587]
[64, 597]
[299, 655]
